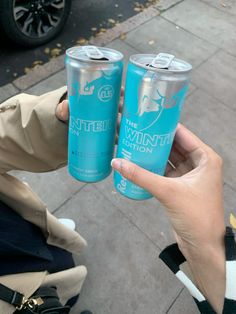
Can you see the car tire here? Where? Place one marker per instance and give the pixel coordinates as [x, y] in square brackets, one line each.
[35, 22]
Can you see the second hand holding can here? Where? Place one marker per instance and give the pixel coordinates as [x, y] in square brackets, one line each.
[154, 94]
[94, 84]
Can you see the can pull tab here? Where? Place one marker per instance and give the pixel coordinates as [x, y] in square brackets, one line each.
[93, 52]
[162, 61]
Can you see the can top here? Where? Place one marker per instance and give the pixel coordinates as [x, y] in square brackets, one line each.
[94, 54]
[163, 62]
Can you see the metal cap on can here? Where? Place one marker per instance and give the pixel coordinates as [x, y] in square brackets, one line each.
[163, 62]
[94, 54]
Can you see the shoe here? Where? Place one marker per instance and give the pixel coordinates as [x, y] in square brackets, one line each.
[69, 223]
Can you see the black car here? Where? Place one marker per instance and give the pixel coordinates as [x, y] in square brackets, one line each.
[33, 22]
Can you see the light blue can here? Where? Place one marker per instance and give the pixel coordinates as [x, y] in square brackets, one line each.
[154, 95]
[94, 83]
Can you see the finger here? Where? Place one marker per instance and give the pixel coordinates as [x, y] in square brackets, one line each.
[186, 141]
[122, 91]
[157, 185]
[176, 157]
[118, 122]
[62, 111]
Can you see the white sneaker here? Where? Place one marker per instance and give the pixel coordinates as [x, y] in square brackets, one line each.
[69, 223]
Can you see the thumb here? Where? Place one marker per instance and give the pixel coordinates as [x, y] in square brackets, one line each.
[157, 185]
[62, 111]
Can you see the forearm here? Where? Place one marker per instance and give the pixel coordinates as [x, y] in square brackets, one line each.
[31, 137]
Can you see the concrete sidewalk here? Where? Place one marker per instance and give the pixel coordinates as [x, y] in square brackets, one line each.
[125, 237]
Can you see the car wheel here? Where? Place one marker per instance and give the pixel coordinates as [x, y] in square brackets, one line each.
[33, 22]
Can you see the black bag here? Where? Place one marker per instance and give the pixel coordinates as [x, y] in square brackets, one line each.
[44, 301]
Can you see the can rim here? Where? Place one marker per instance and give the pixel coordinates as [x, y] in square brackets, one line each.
[120, 55]
[166, 71]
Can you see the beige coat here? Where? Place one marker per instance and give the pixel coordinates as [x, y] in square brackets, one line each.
[33, 139]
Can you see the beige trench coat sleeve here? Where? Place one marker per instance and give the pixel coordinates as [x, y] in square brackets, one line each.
[31, 137]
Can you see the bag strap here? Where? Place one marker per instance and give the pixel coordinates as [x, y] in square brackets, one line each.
[10, 296]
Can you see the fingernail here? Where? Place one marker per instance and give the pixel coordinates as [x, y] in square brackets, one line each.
[116, 164]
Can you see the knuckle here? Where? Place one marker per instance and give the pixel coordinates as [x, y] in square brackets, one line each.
[132, 173]
[215, 159]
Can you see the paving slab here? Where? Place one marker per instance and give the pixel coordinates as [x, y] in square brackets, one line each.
[54, 187]
[122, 28]
[160, 35]
[218, 77]
[124, 272]
[215, 124]
[184, 304]
[39, 73]
[228, 6]
[205, 21]
[166, 4]
[55, 81]
[149, 216]
[7, 91]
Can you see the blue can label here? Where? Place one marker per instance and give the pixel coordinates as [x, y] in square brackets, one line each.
[93, 102]
[150, 116]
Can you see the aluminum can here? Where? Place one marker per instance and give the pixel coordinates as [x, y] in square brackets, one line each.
[94, 83]
[156, 86]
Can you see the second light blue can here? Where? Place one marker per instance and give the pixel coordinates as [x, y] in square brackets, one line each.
[154, 94]
[94, 83]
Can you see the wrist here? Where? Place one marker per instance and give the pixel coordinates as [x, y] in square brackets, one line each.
[207, 264]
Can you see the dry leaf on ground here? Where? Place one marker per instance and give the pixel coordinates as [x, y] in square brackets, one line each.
[123, 36]
[232, 220]
[27, 70]
[37, 62]
[47, 50]
[81, 41]
[55, 52]
[111, 21]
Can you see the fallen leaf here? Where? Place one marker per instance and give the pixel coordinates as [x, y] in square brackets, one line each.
[123, 36]
[232, 220]
[47, 50]
[151, 42]
[102, 30]
[94, 29]
[27, 70]
[37, 62]
[111, 21]
[55, 52]
[58, 45]
[137, 9]
[120, 15]
[99, 34]
[15, 74]
[81, 41]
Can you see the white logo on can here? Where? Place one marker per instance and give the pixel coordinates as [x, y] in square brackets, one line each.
[106, 93]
